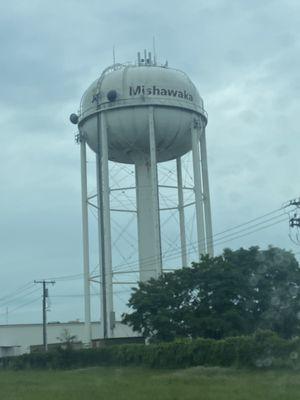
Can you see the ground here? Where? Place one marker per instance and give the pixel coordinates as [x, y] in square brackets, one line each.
[143, 384]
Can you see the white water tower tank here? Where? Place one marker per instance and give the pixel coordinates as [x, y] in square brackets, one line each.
[125, 93]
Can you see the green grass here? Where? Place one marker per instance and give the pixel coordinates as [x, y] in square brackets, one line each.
[142, 384]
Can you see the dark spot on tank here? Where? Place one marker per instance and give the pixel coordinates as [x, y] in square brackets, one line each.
[112, 95]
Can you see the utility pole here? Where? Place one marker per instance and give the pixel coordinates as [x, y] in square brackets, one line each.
[44, 308]
[294, 220]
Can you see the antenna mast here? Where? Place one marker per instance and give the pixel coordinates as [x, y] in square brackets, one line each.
[154, 51]
[114, 57]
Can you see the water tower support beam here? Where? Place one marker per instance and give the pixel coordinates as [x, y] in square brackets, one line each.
[107, 227]
[85, 241]
[148, 210]
[198, 188]
[206, 196]
[181, 213]
[101, 250]
[104, 230]
[155, 194]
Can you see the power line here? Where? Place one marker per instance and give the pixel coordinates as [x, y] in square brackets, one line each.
[150, 260]
[67, 277]
[177, 250]
[18, 298]
[17, 291]
[258, 227]
[22, 305]
[230, 238]
[219, 241]
[222, 240]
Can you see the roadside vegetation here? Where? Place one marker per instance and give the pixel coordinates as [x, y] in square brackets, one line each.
[234, 294]
[264, 349]
[227, 328]
[141, 384]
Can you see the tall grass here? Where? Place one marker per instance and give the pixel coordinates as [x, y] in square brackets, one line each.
[141, 384]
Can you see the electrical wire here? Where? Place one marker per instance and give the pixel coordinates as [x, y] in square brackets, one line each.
[219, 241]
[17, 291]
[15, 295]
[247, 231]
[210, 240]
[22, 305]
[19, 298]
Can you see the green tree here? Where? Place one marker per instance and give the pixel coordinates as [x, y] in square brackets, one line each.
[233, 294]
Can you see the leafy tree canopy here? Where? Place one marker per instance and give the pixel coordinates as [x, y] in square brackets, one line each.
[232, 294]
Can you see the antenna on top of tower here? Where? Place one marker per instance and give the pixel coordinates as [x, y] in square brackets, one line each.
[154, 51]
[144, 58]
[114, 56]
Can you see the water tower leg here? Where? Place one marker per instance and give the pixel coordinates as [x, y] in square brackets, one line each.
[85, 241]
[198, 189]
[181, 213]
[148, 211]
[108, 321]
[107, 228]
[102, 273]
[206, 196]
[155, 194]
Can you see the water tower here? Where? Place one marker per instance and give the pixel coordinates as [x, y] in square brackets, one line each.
[141, 114]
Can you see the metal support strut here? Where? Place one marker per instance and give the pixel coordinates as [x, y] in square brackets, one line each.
[104, 229]
[85, 243]
[148, 210]
[206, 195]
[195, 133]
[181, 212]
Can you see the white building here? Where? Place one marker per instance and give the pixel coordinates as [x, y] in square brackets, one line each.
[17, 339]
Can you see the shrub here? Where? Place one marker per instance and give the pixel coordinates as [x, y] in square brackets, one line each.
[264, 349]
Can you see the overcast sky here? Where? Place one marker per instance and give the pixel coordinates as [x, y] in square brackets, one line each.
[244, 58]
